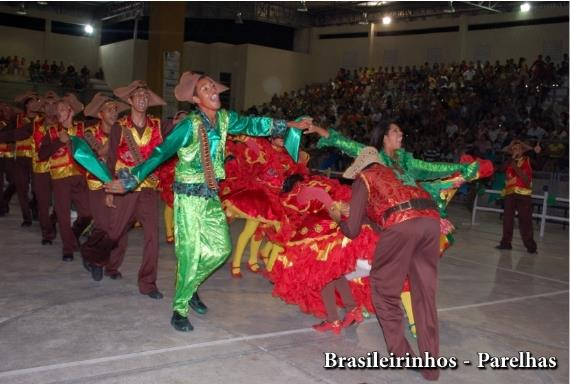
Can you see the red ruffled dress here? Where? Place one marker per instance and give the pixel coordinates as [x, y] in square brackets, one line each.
[254, 178]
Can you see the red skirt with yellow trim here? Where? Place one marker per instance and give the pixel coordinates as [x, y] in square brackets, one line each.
[315, 249]
[254, 178]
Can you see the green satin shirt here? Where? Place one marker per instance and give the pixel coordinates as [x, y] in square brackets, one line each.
[184, 140]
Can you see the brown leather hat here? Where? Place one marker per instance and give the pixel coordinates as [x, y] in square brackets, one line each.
[71, 100]
[24, 97]
[35, 105]
[99, 100]
[185, 88]
[125, 92]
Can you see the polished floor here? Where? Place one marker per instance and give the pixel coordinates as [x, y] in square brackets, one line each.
[59, 326]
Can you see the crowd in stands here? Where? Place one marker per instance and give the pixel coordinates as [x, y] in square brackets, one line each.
[65, 76]
[445, 109]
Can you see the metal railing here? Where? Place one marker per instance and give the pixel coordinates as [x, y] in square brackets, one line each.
[542, 215]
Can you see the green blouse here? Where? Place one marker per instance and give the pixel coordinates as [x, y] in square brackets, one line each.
[410, 170]
[413, 169]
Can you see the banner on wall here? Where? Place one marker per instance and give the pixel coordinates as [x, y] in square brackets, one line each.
[170, 76]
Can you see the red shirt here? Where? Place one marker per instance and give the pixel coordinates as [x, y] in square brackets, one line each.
[516, 184]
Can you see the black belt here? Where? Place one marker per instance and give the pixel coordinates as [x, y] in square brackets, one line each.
[410, 204]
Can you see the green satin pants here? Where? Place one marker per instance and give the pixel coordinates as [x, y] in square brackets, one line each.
[202, 244]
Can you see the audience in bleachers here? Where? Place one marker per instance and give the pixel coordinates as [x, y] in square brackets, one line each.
[36, 72]
[445, 108]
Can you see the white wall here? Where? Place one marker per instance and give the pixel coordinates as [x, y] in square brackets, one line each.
[272, 71]
[37, 45]
[23, 43]
[117, 61]
[327, 56]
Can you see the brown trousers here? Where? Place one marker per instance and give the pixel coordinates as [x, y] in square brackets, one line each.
[42, 187]
[22, 173]
[523, 205]
[410, 248]
[68, 191]
[133, 206]
[6, 171]
[97, 249]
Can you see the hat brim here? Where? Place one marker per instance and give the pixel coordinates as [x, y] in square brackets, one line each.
[124, 93]
[368, 155]
[185, 89]
[94, 107]
[525, 146]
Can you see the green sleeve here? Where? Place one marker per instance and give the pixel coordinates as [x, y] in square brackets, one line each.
[336, 140]
[266, 126]
[180, 137]
[424, 170]
[256, 125]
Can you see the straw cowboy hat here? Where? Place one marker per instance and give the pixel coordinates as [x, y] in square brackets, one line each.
[71, 100]
[525, 146]
[125, 92]
[368, 155]
[187, 84]
[99, 100]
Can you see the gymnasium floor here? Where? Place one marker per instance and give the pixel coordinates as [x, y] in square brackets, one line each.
[59, 326]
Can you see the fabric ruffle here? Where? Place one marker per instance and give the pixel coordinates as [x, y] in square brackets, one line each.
[166, 177]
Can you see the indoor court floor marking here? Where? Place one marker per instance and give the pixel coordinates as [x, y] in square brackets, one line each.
[50, 367]
[507, 269]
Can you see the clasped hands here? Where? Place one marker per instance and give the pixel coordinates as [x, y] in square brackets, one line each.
[115, 187]
[306, 125]
[337, 210]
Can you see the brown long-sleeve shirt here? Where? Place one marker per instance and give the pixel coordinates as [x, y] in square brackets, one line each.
[10, 134]
[358, 202]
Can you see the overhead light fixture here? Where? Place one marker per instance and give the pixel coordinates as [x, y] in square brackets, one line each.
[364, 20]
[22, 9]
[386, 20]
[238, 19]
[303, 7]
[42, 2]
[525, 7]
[89, 29]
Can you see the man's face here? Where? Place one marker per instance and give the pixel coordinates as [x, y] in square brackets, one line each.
[31, 103]
[64, 111]
[109, 113]
[206, 95]
[139, 100]
[50, 108]
[393, 139]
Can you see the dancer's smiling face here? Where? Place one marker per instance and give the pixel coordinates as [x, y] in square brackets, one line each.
[206, 95]
[139, 99]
